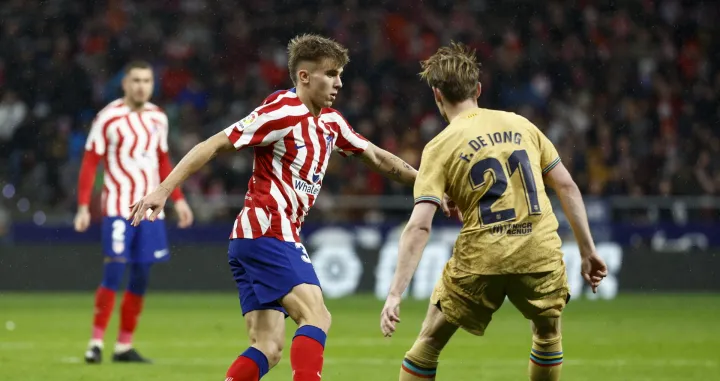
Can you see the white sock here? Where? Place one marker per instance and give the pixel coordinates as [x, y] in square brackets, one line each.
[96, 343]
[122, 347]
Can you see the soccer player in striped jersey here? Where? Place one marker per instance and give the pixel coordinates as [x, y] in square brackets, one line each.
[293, 135]
[130, 137]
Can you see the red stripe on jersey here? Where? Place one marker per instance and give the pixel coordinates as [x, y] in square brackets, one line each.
[310, 150]
[254, 222]
[146, 178]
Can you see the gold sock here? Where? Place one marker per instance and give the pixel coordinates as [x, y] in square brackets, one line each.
[546, 359]
[420, 363]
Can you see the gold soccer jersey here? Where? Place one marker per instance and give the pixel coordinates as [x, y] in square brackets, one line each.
[491, 163]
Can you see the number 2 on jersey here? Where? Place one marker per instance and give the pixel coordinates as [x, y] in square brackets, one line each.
[518, 160]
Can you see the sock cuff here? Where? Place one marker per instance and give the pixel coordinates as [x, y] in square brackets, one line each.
[258, 358]
[312, 332]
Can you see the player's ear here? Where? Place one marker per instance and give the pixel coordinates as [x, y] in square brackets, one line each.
[438, 95]
[479, 90]
[303, 76]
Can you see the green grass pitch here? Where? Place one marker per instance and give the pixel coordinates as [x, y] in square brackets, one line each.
[196, 337]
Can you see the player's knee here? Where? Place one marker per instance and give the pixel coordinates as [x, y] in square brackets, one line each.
[113, 274]
[546, 329]
[271, 347]
[306, 307]
[319, 317]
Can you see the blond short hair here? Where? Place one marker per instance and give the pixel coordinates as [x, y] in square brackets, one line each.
[453, 70]
[314, 48]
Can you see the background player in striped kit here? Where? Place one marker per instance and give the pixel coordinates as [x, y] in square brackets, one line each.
[130, 137]
[293, 135]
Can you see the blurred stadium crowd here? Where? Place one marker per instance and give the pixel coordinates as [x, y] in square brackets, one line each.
[628, 92]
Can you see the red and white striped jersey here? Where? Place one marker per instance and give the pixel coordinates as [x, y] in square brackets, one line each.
[134, 148]
[292, 149]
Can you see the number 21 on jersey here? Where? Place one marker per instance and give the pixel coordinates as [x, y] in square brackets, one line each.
[517, 162]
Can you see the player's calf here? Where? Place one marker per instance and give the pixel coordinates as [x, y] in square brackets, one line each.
[546, 355]
[306, 306]
[104, 304]
[421, 361]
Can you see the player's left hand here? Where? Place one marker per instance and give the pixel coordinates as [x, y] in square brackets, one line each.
[154, 201]
[390, 315]
[184, 213]
[449, 207]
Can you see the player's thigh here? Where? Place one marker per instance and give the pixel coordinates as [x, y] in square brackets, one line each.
[540, 297]
[151, 243]
[436, 330]
[249, 301]
[468, 300]
[118, 237]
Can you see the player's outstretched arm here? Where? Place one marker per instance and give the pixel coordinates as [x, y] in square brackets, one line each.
[200, 155]
[594, 268]
[388, 165]
[412, 243]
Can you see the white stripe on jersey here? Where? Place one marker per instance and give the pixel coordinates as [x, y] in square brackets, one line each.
[263, 219]
[287, 233]
[245, 223]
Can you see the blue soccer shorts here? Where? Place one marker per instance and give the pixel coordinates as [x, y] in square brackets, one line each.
[146, 243]
[266, 269]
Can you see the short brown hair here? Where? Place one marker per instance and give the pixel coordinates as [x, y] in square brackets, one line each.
[453, 70]
[137, 64]
[311, 47]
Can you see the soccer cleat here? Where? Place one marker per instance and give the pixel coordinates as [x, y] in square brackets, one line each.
[93, 355]
[131, 355]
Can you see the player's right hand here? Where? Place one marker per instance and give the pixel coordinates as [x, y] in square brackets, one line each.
[82, 219]
[593, 270]
[154, 201]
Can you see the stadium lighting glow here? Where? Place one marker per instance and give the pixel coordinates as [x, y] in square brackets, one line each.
[23, 205]
[39, 217]
[8, 191]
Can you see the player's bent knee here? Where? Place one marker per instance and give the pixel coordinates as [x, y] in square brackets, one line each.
[271, 348]
[305, 305]
[546, 328]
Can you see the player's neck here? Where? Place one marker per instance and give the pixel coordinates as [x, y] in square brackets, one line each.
[453, 110]
[133, 105]
[305, 99]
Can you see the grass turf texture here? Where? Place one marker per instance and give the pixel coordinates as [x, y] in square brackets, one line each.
[197, 336]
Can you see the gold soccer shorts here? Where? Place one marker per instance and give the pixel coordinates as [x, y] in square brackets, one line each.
[469, 300]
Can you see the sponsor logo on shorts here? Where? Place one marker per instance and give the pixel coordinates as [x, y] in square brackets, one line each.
[524, 228]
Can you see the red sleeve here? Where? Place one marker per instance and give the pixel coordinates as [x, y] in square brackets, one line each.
[165, 167]
[88, 169]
